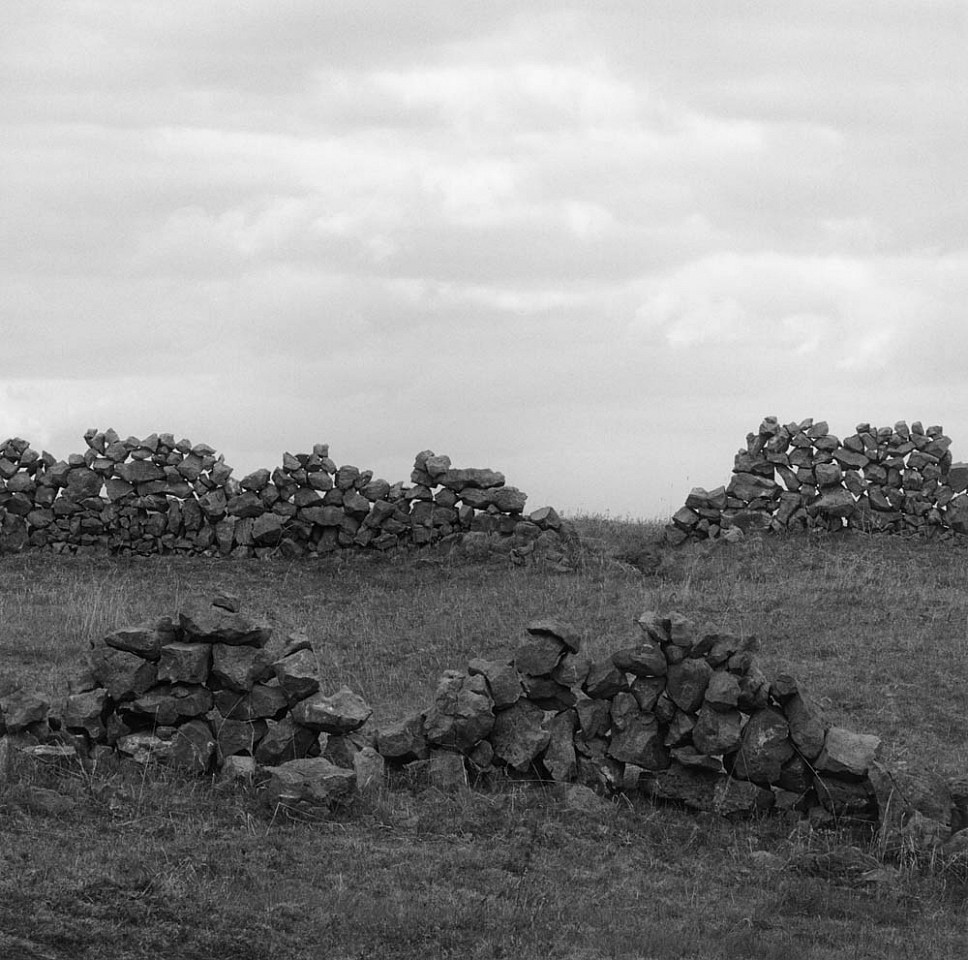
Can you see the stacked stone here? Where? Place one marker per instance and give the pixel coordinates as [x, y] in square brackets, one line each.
[159, 495]
[898, 479]
[684, 714]
[203, 692]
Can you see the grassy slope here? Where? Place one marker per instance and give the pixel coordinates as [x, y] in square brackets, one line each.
[876, 629]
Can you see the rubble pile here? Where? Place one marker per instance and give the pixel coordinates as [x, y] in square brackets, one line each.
[795, 476]
[162, 495]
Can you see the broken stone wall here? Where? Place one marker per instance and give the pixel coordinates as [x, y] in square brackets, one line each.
[680, 714]
[798, 476]
[159, 495]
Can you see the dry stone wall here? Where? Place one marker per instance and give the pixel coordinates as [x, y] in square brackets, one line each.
[162, 495]
[899, 479]
[681, 713]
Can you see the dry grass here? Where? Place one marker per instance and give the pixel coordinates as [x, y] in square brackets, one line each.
[137, 868]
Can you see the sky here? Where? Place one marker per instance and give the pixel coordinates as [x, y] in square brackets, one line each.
[590, 245]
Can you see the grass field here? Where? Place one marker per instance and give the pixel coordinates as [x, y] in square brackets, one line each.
[137, 867]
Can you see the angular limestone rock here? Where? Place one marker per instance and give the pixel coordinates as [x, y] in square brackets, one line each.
[19, 709]
[85, 711]
[340, 713]
[235, 737]
[644, 660]
[519, 735]
[717, 731]
[284, 740]
[539, 654]
[370, 770]
[807, 725]
[145, 640]
[604, 680]
[559, 757]
[462, 713]
[641, 743]
[403, 741]
[261, 702]
[193, 747]
[124, 675]
[764, 748]
[205, 622]
[168, 704]
[686, 684]
[184, 662]
[447, 771]
[560, 630]
[722, 692]
[298, 675]
[308, 785]
[847, 754]
[239, 668]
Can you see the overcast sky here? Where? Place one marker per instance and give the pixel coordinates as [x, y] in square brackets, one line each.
[588, 244]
